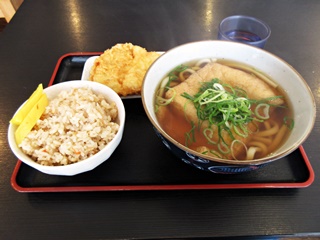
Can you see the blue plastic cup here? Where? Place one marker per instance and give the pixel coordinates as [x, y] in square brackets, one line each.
[244, 29]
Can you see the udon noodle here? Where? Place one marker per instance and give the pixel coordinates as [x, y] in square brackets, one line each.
[223, 109]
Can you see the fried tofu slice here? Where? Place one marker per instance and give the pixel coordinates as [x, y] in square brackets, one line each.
[255, 88]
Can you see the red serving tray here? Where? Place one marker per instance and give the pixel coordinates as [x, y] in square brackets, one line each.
[143, 162]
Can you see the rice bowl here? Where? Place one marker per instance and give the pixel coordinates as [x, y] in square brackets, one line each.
[81, 137]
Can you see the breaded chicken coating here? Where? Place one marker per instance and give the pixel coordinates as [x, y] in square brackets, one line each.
[123, 67]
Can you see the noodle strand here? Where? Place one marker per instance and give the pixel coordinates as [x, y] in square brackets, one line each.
[264, 140]
[251, 152]
[269, 132]
[261, 145]
[278, 138]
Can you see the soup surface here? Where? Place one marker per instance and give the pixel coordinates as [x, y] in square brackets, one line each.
[223, 109]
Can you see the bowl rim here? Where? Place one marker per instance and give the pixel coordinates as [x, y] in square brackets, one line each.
[55, 170]
[267, 159]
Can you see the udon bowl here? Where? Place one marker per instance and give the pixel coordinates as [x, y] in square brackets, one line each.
[94, 160]
[296, 88]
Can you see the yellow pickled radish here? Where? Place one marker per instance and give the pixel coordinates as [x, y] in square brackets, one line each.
[31, 119]
[25, 109]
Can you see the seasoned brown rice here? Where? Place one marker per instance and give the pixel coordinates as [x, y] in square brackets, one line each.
[75, 125]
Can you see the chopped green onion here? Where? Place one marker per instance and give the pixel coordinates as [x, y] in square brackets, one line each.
[156, 108]
[221, 107]
[224, 106]
[208, 133]
[160, 101]
[190, 137]
[223, 147]
[173, 74]
[215, 153]
[268, 100]
[289, 122]
[243, 132]
[264, 108]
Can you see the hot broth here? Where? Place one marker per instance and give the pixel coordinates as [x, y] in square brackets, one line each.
[250, 122]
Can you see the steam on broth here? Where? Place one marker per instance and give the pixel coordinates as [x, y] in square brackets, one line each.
[223, 109]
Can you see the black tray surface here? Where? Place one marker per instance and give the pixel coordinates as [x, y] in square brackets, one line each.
[142, 160]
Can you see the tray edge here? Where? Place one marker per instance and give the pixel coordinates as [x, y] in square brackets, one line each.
[19, 188]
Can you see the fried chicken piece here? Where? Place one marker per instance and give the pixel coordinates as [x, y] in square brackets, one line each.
[123, 67]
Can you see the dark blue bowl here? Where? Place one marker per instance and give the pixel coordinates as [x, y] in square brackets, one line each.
[205, 164]
[299, 93]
